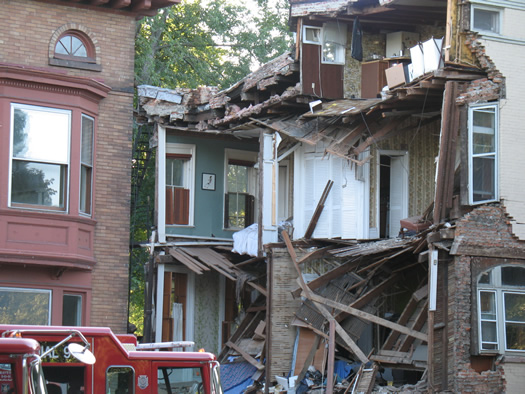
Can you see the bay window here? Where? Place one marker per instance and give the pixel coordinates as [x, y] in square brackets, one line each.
[25, 306]
[40, 156]
[501, 310]
[483, 153]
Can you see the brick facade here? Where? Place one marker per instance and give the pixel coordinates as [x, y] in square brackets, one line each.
[483, 240]
[26, 32]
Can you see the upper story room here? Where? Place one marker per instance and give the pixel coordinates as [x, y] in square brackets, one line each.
[346, 46]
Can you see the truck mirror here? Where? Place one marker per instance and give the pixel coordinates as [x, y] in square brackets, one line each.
[81, 353]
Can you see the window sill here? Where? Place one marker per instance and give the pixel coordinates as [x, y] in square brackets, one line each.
[75, 64]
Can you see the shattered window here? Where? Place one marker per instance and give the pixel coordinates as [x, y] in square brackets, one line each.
[501, 306]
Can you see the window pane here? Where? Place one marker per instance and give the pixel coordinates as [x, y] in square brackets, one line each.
[41, 134]
[487, 302]
[486, 278]
[77, 47]
[21, 306]
[38, 184]
[312, 34]
[237, 178]
[63, 46]
[72, 310]
[515, 307]
[120, 380]
[513, 276]
[486, 20]
[85, 189]
[180, 380]
[489, 332]
[237, 210]
[87, 141]
[515, 334]
[483, 178]
[175, 172]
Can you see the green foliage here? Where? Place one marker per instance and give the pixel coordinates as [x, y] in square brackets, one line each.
[195, 43]
[211, 43]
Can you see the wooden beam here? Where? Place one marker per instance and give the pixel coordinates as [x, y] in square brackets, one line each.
[260, 289]
[246, 356]
[318, 210]
[366, 316]
[342, 333]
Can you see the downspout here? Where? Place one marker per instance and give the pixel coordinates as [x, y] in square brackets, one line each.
[148, 292]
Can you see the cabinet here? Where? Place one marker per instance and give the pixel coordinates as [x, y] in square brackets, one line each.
[373, 78]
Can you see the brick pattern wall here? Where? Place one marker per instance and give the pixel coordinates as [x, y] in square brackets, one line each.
[26, 30]
[281, 283]
[486, 232]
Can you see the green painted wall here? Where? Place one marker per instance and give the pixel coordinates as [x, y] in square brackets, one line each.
[209, 205]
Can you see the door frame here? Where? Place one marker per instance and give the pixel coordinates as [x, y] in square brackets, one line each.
[405, 179]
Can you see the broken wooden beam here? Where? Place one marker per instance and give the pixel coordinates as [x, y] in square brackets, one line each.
[245, 355]
[366, 316]
[318, 210]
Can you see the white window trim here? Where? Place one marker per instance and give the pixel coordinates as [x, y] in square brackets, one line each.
[252, 186]
[499, 291]
[487, 8]
[471, 109]
[33, 290]
[320, 32]
[67, 163]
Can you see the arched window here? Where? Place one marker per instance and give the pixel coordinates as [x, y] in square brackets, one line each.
[501, 308]
[74, 45]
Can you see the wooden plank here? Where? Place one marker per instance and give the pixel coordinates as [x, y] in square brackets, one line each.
[188, 262]
[260, 289]
[366, 316]
[418, 324]
[308, 339]
[342, 333]
[245, 355]
[316, 254]
[318, 210]
[324, 279]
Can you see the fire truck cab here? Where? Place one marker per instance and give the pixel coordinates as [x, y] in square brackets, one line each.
[121, 366]
[20, 369]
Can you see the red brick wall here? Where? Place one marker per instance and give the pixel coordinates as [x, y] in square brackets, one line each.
[25, 33]
[483, 240]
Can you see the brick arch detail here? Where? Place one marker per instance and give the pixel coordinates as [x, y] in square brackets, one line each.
[74, 26]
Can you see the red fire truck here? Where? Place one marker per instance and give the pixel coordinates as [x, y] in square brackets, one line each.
[121, 366]
[20, 368]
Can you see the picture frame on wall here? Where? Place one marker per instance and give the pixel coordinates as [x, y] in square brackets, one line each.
[208, 181]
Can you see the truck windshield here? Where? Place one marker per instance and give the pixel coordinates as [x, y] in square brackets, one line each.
[173, 380]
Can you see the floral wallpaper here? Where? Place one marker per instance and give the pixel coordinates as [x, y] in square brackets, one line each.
[207, 302]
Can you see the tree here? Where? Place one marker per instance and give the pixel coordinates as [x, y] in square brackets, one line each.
[195, 43]
[211, 43]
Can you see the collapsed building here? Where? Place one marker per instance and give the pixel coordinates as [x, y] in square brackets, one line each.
[351, 207]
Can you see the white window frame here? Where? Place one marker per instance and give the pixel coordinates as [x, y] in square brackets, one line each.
[33, 290]
[66, 163]
[472, 156]
[317, 33]
[80, 311]
[251, 187]
[189, 169]
[499, 11]
[330, 33]
[499, 290]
